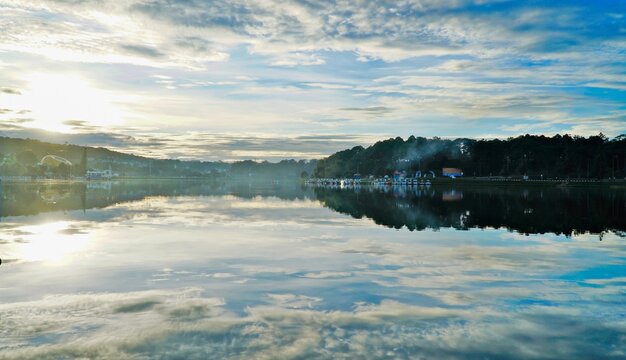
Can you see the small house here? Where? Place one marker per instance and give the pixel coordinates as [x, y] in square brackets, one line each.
[452, 172]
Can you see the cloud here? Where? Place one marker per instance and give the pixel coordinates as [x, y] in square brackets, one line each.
[298, 66]
[296, 59]
[195, 145]
[290, 33]
[142, 50]
[329, 86]
[10, 91]
[80, 125]
[327, 275]
[14, 128]
[372, 110]
[199, 49]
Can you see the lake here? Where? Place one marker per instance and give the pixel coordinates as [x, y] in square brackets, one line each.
[190, 270]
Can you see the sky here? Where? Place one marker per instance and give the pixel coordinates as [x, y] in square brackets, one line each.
[269, 79]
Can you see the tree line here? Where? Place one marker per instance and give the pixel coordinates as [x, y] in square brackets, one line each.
[559, 156]
[22, 157]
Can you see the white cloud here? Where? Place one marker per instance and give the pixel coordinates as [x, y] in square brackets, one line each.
[293, 66]
[288, 33]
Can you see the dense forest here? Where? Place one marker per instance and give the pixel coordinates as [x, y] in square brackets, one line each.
[22, 157]
[560, 156]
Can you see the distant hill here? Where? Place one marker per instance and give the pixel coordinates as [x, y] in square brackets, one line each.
[536, 156]
[21, 157]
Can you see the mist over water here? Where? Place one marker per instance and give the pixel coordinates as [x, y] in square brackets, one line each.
[185, 270]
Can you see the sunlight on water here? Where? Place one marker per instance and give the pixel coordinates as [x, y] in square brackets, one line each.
[303, 273]
[53, 242]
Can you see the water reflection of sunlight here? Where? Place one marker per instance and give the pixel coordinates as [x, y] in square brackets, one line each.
[53, 242]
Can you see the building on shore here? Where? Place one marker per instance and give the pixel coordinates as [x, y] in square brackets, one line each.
[100, 174]
[452, 172]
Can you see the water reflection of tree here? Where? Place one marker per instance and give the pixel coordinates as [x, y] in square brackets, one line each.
[527, 211]
[34, 198]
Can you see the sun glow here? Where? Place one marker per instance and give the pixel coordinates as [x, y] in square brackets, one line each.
[57, 102]
[53, 242]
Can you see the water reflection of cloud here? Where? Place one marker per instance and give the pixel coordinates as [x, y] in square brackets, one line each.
[292, 301]
[327, 275]
[337, 287]
[181, 323]
[227, 210]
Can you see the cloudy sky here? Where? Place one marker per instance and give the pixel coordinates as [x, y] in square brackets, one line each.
[269, 79]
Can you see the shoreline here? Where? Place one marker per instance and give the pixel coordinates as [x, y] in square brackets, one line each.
[499, 182]
[20, 179]
[520, 182]
[564, 183]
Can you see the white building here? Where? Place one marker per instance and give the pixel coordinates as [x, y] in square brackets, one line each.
[100, 174]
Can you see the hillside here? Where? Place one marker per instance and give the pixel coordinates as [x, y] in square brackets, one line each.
[21, 157]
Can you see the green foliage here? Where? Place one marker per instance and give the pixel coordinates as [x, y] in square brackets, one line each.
[21, 157]
[386, 156]
[536, 156]
[27, 157]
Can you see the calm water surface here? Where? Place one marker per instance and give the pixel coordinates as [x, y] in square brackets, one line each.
[197, 271]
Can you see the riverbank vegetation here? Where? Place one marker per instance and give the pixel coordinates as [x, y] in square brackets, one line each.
[538, 157]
